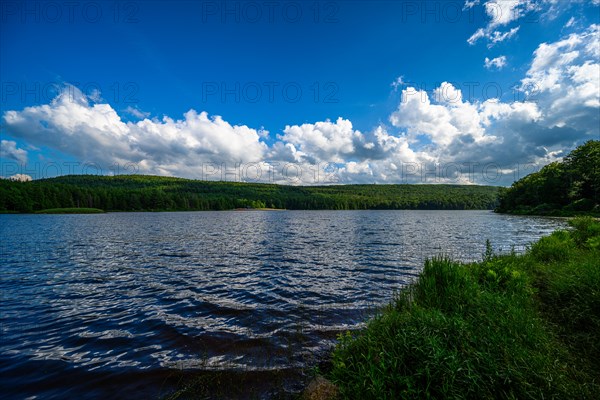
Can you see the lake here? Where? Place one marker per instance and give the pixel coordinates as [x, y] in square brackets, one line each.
[136, 305]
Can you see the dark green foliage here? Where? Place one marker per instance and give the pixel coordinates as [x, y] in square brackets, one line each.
[586, 231]
[153, 193]
[525, 327]
[561, 188]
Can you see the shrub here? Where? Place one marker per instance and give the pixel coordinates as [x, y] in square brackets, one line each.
[581, 205]
[556, 247]
[545, 208]
[586, 229]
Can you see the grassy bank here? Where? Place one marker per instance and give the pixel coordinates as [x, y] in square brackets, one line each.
[511, 326]
[70, 211]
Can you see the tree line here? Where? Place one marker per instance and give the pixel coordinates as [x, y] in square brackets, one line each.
[154, 193]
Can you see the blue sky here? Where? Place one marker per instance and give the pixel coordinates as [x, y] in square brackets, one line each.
[298, 91]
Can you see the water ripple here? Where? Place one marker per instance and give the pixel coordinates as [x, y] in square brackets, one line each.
[124, 305]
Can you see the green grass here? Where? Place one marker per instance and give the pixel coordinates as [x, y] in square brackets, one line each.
[70, 211]
[512, 326]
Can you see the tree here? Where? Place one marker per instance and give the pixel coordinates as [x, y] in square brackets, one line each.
[571, 185]
[583, 167]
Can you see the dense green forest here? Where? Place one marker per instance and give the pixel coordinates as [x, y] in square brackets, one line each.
[561, 188]
[153, 193]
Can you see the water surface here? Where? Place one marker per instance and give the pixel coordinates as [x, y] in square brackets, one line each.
[131, 305]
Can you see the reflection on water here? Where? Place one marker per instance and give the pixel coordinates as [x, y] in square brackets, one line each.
[110, 305]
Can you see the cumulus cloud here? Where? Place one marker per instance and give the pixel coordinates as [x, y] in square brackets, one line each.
[436, 136]
[564, 80]
[95, 133]
[561, 109]
[478, 135]
[324, 140]
[9, 150]
[442, 120]
[495, 63]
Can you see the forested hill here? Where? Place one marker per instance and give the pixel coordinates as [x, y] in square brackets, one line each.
[153, 193]
[564, 188]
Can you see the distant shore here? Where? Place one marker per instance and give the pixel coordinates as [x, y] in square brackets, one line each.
[259, 209]
[157, 193]
[71, 210]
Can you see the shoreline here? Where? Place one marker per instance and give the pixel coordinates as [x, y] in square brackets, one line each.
[70, 210]
[528, 320]
[7, 212]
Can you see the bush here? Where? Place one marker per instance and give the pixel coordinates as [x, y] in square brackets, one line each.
[557, 247]
[503, 274]
[581, 205]
[545, 208]
[586, 232]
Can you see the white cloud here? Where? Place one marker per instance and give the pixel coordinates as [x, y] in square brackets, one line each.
[447, 94]
[497, 63]
[20, 178]
[564, 79]
[438, 129]
[136, 112]
[470, 4]
[497, 36]
[501, 13]
[443, 120]
[479, 33]
[95, 96]
[561, 109]
[96, 133]
[9, 150]
[551, 9]
[324, 141]
[398, 82]
[493, 37]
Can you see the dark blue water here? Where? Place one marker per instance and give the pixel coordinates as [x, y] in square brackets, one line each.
[136, 305]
